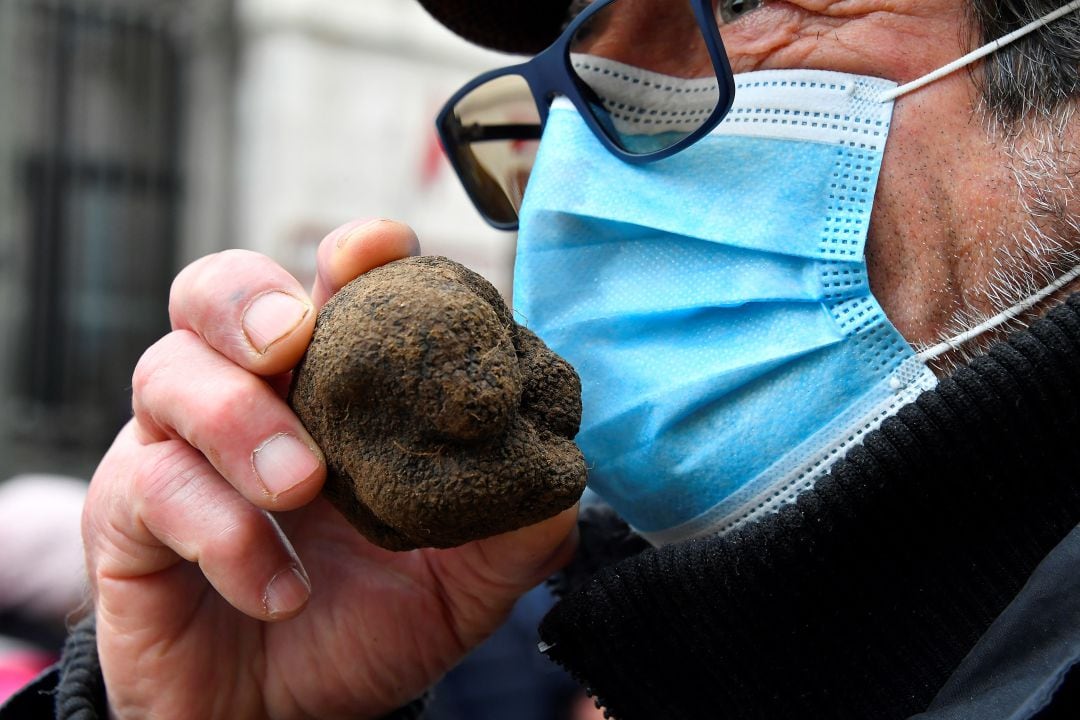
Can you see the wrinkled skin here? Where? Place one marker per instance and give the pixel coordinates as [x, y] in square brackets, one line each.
[442, 421]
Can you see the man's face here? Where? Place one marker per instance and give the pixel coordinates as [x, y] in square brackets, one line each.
[950, 215]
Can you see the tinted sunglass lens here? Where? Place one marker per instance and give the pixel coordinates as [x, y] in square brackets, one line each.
[646, 73]
[492, 134]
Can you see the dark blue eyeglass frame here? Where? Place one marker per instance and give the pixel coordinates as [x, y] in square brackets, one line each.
[549, 74]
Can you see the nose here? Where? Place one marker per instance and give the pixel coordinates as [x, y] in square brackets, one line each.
[658, 35]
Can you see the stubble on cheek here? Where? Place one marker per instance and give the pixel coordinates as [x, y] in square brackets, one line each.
[915, 250]
[964, 231]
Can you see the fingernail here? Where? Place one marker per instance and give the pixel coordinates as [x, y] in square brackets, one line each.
[271, 317]
[287, 592]
[344, 234]
[282, 463]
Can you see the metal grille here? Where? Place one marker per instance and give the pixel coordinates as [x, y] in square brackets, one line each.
[89, 194]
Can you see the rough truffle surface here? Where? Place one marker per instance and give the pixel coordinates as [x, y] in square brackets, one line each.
[442, 420]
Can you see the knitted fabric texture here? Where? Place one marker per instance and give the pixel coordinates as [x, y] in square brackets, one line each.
[862, 597]
[80, 692]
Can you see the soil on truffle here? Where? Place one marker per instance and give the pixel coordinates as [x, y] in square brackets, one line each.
[442, 420]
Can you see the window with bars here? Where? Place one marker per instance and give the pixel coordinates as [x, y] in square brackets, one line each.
[90, 189]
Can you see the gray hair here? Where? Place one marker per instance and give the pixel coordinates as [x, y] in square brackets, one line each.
[1036, 75]
[1030, 97]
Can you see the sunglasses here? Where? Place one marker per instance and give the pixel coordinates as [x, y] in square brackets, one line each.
[639, 104]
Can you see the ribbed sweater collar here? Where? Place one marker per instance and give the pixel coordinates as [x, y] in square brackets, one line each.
[862, 597]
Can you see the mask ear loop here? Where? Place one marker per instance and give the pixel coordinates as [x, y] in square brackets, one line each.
[1012, 313]
[979, 53]
[1023, 306]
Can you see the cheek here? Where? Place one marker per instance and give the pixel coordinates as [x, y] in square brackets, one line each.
[909, 253]
[947, 215]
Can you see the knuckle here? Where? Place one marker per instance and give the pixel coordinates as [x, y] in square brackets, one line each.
[189, 272]
[223, 270]
[235, 402]
[157, 358]
[186, 285]
[238, 540]
[163, 473]
[236, 256]
[203, 282]
[147, 367]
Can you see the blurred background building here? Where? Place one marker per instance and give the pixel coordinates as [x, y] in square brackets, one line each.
[137, 135]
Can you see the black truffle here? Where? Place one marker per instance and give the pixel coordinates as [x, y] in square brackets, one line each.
[442, 420]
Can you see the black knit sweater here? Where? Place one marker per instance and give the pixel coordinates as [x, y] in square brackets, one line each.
[860, 599]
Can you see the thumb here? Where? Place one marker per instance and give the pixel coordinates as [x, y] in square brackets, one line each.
[481, 581]
[353, 249]
[528, 556]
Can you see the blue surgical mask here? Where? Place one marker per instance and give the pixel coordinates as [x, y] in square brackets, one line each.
[716, 303]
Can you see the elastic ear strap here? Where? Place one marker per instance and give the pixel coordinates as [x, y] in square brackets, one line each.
[980, 53]
[1015, 311]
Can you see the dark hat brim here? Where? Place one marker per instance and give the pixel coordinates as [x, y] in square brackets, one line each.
[516, 26]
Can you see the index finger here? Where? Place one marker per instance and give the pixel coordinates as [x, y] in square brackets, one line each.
[247, 307]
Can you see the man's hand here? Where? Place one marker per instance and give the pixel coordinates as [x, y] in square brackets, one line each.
[224, 585]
